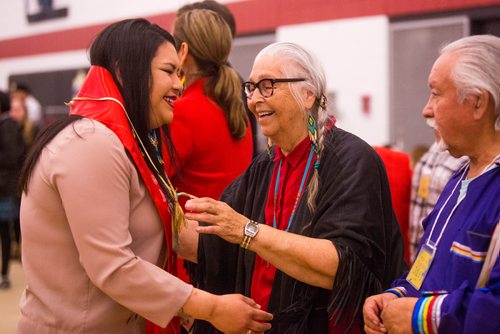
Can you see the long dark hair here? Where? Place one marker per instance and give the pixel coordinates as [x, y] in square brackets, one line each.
[125, 49]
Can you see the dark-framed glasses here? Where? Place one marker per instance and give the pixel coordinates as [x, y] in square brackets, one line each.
[265, 86]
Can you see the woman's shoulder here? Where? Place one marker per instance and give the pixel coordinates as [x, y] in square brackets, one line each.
[262, 160]
[85, 132]
[88, 128]
[83, 144]
[260, 166]
[345, 145]
[7, 123]
[195, 109]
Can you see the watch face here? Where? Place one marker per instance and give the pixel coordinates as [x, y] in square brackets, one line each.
[251, 229]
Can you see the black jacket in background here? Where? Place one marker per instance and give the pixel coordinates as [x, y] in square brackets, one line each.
[11, 155]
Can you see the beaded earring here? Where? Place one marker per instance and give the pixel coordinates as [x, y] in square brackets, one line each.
[182, 78]
[312, 130]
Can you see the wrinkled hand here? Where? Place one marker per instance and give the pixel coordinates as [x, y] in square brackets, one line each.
[397, 315]
[224, 221]
[238, 314]
[372, 310]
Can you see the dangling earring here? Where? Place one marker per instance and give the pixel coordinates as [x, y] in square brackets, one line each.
[182, 77]
[312, 130]
[181, 73]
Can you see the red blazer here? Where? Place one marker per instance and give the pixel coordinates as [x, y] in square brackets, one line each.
[208, 156]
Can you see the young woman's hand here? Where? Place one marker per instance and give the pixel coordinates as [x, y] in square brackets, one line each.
[222, 219]
[230, 314]
[239, 314]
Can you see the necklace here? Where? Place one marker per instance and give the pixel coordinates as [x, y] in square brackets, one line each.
[297, 198]
[299, 193]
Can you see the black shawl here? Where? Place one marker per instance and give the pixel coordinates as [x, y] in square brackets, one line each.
[354, 211]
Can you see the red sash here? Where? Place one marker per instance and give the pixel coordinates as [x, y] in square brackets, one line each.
[101, 101]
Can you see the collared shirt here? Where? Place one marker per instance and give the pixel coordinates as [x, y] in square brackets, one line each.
[292, 171]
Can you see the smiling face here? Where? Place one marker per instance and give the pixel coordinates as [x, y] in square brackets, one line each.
[280, 117]
[165, 85]
[451, 118]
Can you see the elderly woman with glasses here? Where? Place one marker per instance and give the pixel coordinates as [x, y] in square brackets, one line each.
[308, 229]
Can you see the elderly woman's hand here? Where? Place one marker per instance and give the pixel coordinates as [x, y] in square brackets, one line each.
[222, 219]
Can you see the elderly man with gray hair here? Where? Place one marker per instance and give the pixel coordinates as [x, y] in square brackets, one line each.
[454, 284]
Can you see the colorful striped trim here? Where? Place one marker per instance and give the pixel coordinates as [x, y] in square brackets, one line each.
[398, 291]
[434, 293]
[427, 315]
[467, 252]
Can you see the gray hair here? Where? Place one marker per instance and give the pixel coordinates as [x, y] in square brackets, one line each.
[477, 68]
[297, 62]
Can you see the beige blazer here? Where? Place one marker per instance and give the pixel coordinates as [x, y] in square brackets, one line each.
[92, 241]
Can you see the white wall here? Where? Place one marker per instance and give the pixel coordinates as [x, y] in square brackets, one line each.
[13, 23]
[42, 63]
[354, 54]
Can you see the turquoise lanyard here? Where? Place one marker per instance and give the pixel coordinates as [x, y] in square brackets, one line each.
[299, 193]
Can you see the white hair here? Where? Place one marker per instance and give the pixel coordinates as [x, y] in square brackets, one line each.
[297, 62]
[477, 68]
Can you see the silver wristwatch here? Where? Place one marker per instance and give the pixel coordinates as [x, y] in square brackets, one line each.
[249, 232]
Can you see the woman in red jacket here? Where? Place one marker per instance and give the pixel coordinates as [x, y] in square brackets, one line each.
[210, 130]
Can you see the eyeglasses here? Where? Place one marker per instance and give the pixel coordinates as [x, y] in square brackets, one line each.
[265, 86]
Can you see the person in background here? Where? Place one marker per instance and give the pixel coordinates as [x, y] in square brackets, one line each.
[431, 174]
[454, 284]
[19, 113]
[98, 214]
[214, 6]
[308, 229]
[35, 113]
[398, 167]
[11, 155]
[226, 14]
[210, 131]
[417, 152]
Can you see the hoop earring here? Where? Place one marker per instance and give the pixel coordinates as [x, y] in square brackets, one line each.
[322, 101]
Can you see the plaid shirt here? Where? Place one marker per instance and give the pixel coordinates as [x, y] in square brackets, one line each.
[430, 176]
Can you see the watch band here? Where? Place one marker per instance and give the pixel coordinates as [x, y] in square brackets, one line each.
[246, 242]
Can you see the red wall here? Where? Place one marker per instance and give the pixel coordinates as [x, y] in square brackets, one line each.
[252, 16]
